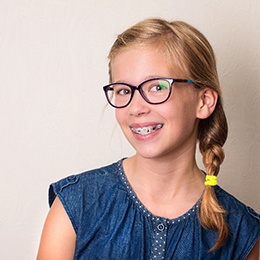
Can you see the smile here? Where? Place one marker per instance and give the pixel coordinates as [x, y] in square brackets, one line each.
[146, 130]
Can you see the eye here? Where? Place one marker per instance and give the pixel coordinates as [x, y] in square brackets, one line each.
[160, 86]
[122, 91]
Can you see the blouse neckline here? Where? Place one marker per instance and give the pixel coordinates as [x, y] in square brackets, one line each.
[193, 210]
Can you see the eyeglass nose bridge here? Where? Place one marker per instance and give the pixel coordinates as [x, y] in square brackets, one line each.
[140, 90]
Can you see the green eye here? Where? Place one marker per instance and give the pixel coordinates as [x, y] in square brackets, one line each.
[160, 86]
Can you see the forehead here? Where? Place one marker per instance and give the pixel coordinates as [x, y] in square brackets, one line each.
[140, 61]
[150, 59]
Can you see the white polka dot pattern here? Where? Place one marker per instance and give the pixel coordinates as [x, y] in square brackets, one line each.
[159, 239]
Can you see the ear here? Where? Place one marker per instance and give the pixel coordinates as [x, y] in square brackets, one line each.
[207, 102]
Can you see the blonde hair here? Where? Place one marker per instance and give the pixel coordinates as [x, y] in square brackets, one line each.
[189, 51]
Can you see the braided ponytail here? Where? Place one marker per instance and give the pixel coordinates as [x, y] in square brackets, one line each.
[212, 136]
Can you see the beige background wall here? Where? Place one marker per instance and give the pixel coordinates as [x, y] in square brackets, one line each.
[53, 122]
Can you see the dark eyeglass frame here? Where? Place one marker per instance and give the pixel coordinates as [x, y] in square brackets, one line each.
[139, 88]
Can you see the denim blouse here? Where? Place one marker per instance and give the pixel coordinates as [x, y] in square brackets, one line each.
[112, 223]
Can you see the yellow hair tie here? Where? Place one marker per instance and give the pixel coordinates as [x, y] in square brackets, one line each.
[211, 180]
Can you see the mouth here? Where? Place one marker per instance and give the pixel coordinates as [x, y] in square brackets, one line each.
[146, 130]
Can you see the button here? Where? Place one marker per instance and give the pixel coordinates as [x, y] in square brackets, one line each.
[160, 227]
[72, 179]
[69, 180]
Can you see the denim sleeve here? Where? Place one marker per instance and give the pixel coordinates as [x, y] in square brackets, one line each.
[56, 188]
[243, 222]
[67, 192]
[253, 229]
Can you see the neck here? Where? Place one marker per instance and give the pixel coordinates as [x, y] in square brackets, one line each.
[165, 182]
[150, 173]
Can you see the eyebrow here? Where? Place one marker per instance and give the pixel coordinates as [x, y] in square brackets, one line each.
[146, 78]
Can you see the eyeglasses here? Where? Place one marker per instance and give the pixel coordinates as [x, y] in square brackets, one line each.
[154, 91]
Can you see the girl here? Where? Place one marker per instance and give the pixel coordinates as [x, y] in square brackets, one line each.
[156, 204]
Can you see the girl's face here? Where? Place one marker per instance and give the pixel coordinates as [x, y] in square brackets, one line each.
[173, 124]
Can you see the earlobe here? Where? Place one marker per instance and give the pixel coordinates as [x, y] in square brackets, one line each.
[207, 103]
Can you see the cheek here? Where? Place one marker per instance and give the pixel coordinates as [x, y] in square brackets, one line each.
[121, 119]
[188, 102]
[182, 113]
[119, 114]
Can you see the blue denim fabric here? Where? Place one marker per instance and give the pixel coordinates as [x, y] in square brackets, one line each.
[111, 222]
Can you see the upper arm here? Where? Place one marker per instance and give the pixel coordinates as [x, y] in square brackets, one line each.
[254, 254]
[58, 236]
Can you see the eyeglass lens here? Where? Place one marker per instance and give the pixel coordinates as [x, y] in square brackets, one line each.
[153, 91]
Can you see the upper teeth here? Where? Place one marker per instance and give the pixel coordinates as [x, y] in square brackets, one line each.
[146, 130]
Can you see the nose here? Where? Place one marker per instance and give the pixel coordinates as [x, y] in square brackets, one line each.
[138, 106]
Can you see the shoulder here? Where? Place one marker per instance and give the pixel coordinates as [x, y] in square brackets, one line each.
[91, 179]
[81, 192]
[243, 222]
[235, 207]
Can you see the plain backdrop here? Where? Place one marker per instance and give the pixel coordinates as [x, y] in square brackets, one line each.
[53, 114]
